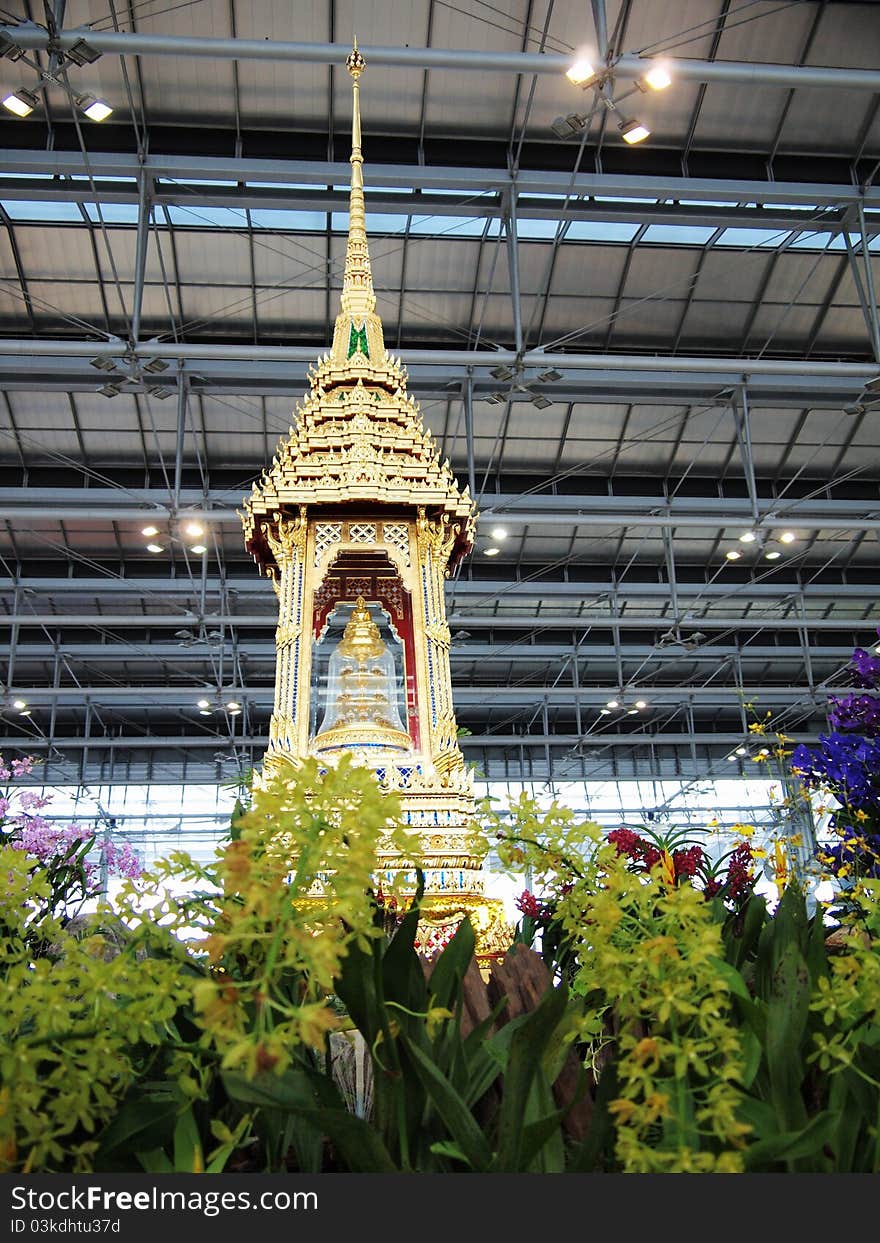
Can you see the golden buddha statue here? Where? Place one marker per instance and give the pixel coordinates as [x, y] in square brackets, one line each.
[362, 696]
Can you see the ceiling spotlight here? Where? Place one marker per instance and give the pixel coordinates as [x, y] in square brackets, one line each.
[491, 552]
[94, 109]
[10, 50]
[582, 73]
[733, 555]
[540, 401]
[604, 712]
[25, 712]
[640, 704]
[763, 753]
[742, 751]
[633, 132]
[564, 127]
[787, 537]
[150, 531]
[110, 390]
[19, 704]
[501, 373]
[731, 757]
[198, 549]
[159, 391]
[748, 537]
[194, 529]
[499, 533]
[82, 53]
[103, 364]
[155, 365]
[632, 712]
[612, 703]
[204, 711]
[20, 102]
[233, 707]
[155, 548]
[203, 703]
[495, 399]
[657, 79]
[772, 555]
[550, 377]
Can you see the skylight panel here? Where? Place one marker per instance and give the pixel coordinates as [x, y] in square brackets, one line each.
[679, 234]
[747, 238]
[113, 213]
[601, 231]
[207, 217]
[41, 212]
[289, 221]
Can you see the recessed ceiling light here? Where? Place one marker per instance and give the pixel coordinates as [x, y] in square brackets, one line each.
[149, 532]
[612, 703]
[155, 548]
[733, 555]
[194, 528]
[787, 537]
[747, 537]
[499, 533]
[772, 555]
[491, 552]
[198, 549]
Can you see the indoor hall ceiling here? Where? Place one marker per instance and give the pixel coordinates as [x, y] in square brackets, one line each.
[633, 354]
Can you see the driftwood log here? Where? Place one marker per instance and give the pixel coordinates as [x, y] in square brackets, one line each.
[520, 981]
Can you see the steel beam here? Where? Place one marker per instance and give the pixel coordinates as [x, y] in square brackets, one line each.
[184, 742]
[185, 617]
[135, 504]
[717, 198]
[467, 591]
[29, 35]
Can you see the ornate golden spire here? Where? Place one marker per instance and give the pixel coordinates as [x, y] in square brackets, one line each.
[358, 327]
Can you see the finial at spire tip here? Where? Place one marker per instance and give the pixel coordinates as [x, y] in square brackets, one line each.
[354, 62]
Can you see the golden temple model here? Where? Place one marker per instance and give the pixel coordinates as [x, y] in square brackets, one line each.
[358, 523]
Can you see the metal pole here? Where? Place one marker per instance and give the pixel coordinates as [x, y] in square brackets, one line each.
[28, 35]
[469, 434]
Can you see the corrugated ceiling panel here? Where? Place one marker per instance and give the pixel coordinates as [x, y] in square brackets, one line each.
[213, 257]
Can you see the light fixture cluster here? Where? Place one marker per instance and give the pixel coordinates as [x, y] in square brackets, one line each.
[766, 546]
[867, 400]
[140, 375]
[191, 530]
[623, 706]
[21, 707]
[538, 399]
[21, 102]
[207, 707]
[587, 76]
[498, 535]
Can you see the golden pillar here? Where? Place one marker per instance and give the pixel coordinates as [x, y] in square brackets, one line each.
[358, 524]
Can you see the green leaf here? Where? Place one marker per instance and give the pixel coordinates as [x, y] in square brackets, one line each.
[357, 1143]
[452, 965]
[187, 1145]
[731, 977]
[291, 1091]
[792, 1145]
[585, 1158]
[787, 1011]
[403, 979]
[753, 1053]
[445, 1148]
[452, 1109]
[155, 1162]
[527, 1048]
[140, 1125]
[539, 1136]
[356, 989]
